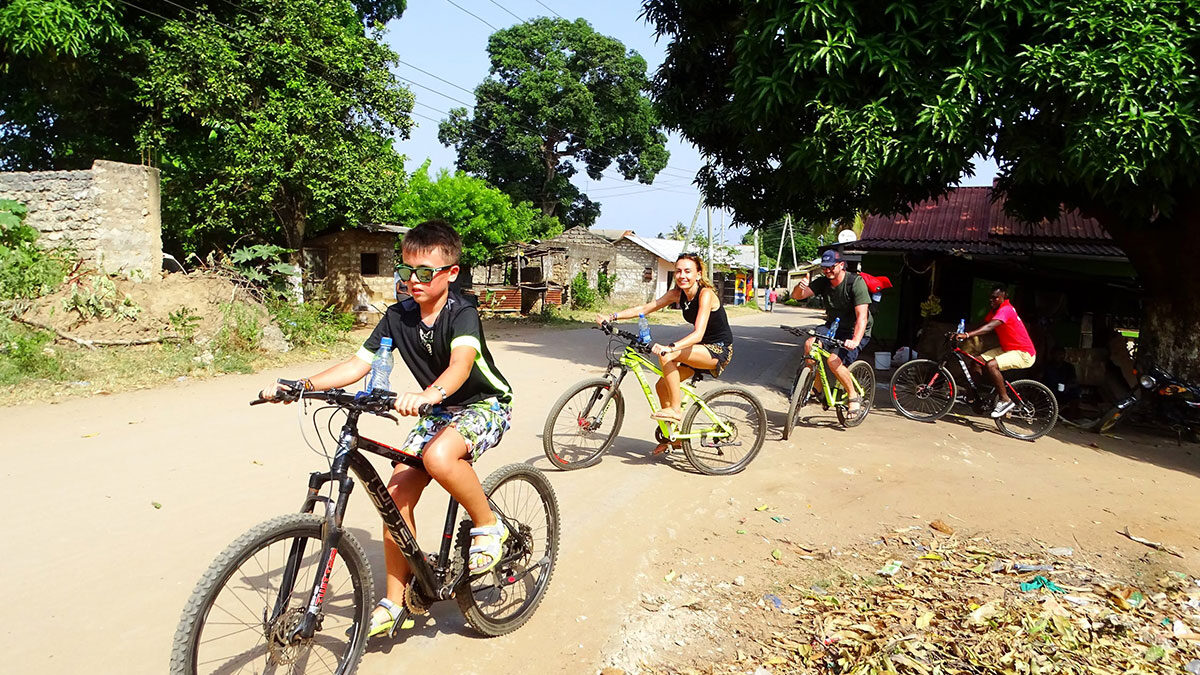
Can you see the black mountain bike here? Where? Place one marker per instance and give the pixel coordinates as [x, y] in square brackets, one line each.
[925, 390]
[295, 593]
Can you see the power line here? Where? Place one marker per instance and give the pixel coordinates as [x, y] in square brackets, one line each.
[481, 20]
[518, 18]
[550, 10]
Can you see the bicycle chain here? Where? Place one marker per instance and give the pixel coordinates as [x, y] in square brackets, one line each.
[414, 603]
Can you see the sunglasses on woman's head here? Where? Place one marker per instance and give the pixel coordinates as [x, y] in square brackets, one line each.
[424, 274]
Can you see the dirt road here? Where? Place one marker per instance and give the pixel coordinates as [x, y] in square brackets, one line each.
[97, 573]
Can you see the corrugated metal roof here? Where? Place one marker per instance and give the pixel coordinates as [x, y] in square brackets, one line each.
[968, 220]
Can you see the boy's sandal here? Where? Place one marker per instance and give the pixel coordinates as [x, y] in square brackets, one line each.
[666, 415]
[396, 617]
[483, 558]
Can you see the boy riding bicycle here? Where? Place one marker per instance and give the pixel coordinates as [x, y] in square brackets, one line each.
[1015, 351]
[440, 338]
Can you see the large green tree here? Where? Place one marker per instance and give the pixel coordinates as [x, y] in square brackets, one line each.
[277, 123]
[559, 97]
[269, 119]
[823, 107]
[485, 217]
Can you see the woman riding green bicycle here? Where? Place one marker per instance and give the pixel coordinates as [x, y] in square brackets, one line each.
[709, 347]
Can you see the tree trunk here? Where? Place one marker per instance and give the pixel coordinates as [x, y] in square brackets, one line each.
[293, 218]
[1165, 255]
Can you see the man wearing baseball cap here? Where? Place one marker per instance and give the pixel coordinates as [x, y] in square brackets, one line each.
[845, 297]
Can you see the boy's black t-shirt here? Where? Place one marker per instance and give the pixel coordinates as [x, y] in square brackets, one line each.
[840, 302]
[426, 349]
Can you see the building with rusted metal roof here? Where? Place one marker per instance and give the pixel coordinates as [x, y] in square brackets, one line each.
[1068, 280]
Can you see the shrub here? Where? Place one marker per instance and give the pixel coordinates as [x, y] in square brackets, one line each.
[240, 329]
[310, 323]
[23, 355]
[26, 270]
[582, 295]
[605, 284]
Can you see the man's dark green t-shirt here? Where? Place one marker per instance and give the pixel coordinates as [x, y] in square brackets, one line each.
[841, 300]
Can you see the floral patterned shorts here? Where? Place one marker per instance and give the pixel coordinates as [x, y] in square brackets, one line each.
[481, 424]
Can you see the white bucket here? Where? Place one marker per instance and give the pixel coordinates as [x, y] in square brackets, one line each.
[883, 360]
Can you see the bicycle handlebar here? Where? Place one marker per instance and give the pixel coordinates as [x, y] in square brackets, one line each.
[376, 402]
[801, 332]
[634, 341]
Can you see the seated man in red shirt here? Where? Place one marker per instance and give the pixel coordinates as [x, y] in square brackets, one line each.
[1015, 350]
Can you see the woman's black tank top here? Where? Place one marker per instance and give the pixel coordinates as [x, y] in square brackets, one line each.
[718, 323]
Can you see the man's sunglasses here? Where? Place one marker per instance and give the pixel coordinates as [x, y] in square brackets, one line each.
[424, 274]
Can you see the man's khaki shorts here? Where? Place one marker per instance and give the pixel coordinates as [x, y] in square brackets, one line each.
[1009, 360]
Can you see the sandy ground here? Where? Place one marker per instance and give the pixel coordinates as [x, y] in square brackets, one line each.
[97, 575]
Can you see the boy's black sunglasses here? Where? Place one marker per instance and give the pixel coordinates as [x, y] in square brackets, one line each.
[424, 274]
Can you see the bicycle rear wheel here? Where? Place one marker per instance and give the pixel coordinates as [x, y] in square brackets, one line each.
[804, 383]
[922, 390]
[502, 600]
[1035, 413]
[576, 432]
[227, 624]
[724, 454]
[864, 374]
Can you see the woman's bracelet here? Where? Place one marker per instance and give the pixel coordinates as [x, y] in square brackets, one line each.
[614, 315]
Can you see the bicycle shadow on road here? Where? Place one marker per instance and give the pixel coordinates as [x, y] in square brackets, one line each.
[634, 451]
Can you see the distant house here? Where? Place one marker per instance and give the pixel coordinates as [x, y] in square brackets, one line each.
[355, 266]
[1069, 281]
[732, 276]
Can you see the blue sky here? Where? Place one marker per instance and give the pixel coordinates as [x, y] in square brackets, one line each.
[449, 43]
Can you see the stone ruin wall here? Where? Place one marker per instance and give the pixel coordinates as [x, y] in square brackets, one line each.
[109, 214]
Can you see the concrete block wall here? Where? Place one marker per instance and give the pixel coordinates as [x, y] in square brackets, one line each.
[630, 267]
[346, 284]
[585, 251]
[110, 214]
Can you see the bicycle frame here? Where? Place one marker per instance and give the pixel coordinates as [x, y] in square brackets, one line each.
[960, 357]
[820, 358]
[432, 579]
[632, 361]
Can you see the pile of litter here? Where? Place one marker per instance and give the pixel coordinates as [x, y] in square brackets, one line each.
[915, 602]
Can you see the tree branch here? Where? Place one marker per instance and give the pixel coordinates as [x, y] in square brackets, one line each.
[92, 344]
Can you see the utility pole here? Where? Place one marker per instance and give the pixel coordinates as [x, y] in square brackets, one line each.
[756, 275]
[688, 234]
[708, 271]
[792, 240]
[779, 255]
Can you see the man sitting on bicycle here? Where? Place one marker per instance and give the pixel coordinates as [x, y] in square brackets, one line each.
[708, 347]
[1015, 350]
[440, 338]
[846, 298]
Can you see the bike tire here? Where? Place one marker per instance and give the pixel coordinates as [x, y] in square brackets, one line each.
[533, 532]
[1038, 410]
[713, 461]
[557, 440]
[862, 372]
[804, 383]
[922, 390]
[220, 577]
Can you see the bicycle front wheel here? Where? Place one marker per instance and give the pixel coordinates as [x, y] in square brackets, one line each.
[577, 432]
[724, 450]
[864, 374]
[503, 599]
[242, 613]
[922, 390]
[1035, 413]
[804, 383]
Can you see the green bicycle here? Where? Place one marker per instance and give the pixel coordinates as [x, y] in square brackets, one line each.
[721, 431]
[834, 394]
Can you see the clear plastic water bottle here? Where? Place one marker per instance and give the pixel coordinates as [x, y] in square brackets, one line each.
[962, 326]
[381, 367]
[834, 327]
[643, 329]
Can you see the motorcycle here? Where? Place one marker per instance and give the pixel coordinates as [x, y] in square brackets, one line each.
[1158, 396]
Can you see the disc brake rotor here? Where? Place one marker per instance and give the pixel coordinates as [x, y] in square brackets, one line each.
[281, 649]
